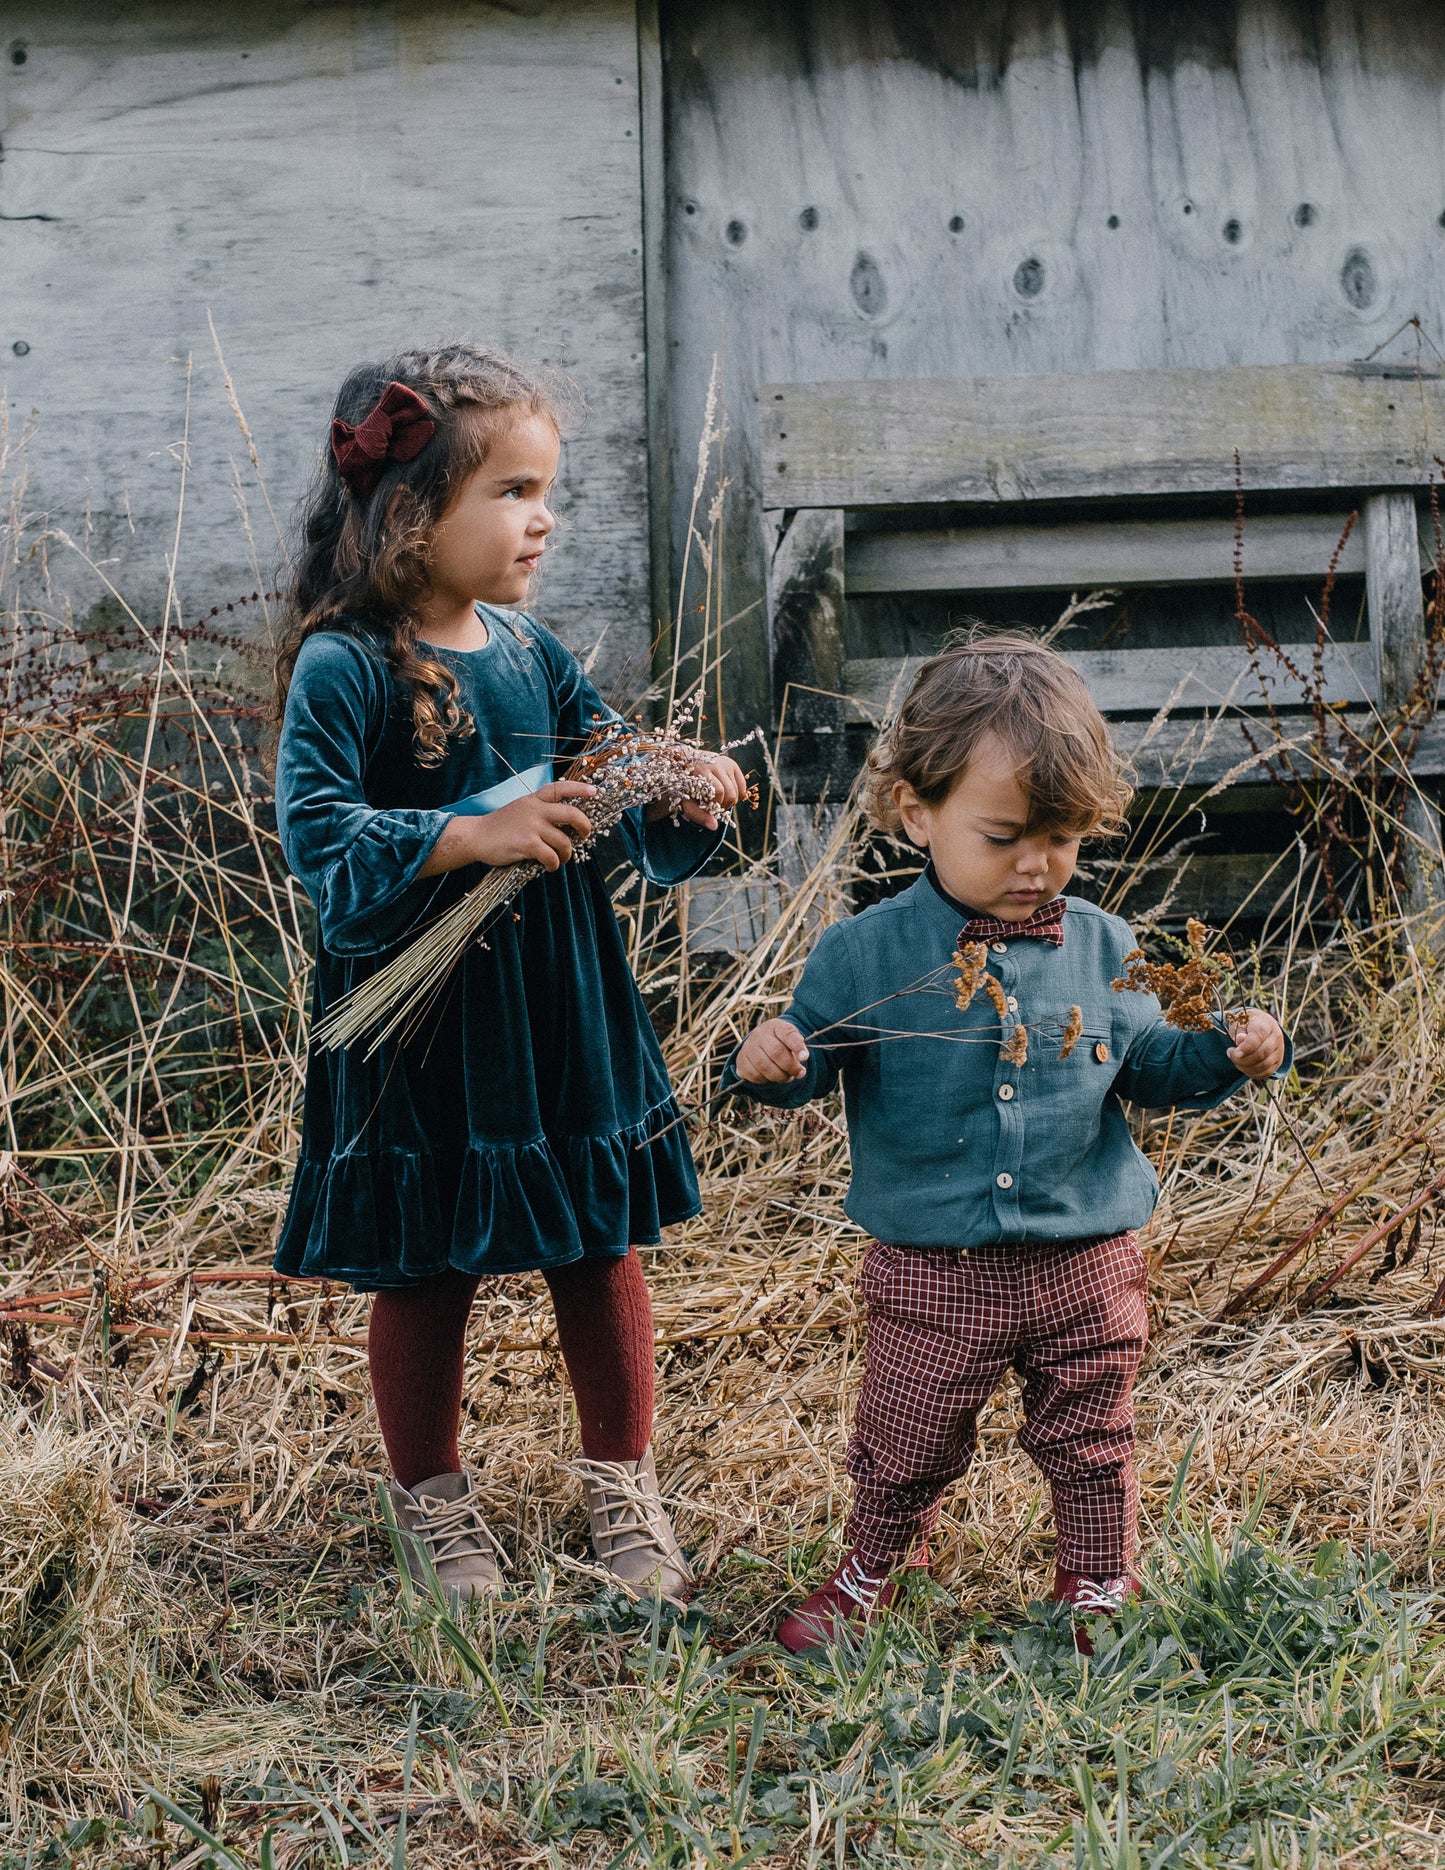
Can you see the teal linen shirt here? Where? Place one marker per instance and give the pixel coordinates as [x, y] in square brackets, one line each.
[952, 1146]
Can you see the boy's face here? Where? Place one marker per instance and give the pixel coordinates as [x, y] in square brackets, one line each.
[977, 841]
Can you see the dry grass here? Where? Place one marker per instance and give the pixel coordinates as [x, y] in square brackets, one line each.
[196, 1597]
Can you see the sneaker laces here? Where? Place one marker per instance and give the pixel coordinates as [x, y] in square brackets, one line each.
[627, 1511]
[856, 1581]
[454, 1528]
[1100, 1597]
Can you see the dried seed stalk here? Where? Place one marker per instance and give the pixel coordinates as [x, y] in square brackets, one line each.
[1073, 1030]
[1188, 992]
[994, 989]
[1015, 1049]
[968, 964]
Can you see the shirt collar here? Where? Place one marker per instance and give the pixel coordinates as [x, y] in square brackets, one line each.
[993, 928]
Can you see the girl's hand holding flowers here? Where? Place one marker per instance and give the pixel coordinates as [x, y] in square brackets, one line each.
[1258, 1049]
[538, 829]
[730, 787]
[617, 772]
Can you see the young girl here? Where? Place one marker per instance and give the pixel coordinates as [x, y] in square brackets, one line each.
[994, 1167]
[422, 716]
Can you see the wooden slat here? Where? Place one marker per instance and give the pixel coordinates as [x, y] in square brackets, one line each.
[1218, 885]
[731, 915]
[1124, 681]
[653, 170]
[1201, 752]
[805, 622]
[1397, 630]
[1392, 586]
[1132, 680]
[1033, 558]
[1098, 433]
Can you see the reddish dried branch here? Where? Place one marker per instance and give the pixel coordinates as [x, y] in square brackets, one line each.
[1316, 1227]
[1371, 1239]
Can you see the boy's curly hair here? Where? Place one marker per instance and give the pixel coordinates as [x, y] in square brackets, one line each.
[1012, 685]
[363, 558]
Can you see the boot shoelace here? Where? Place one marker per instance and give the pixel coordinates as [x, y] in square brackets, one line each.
[1100, 1597]
[625, 1509]
[454, 1528]
[855, 1581]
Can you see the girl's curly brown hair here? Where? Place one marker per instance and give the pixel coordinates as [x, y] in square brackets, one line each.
[1015, 686]
[364, 558]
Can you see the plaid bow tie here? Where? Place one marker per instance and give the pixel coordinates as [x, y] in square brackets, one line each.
[1045, 924]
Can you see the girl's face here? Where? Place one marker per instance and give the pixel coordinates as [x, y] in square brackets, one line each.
[977, 840]
[489, 541]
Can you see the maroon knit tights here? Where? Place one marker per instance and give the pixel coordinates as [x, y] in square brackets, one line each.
[417, 1340]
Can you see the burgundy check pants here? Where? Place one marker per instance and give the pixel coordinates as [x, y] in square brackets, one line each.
[943, 1327]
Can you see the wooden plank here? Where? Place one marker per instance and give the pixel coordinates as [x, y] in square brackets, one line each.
[1397, 629]
[805, 616]
[1139, 681]
[1098, 434]
[731, 915]
[1203, 751]
[1393, 593]
[1122, 553]
[1217, 885]
[1221, 887]
[334, 183]
[654, 309]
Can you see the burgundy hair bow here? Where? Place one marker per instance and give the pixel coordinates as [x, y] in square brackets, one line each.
[397, 429]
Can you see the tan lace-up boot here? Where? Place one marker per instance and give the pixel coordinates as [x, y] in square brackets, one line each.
[440, 1517]
[631, 1532]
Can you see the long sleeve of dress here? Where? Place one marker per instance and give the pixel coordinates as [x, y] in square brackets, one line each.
[665, 853]
[360, 866]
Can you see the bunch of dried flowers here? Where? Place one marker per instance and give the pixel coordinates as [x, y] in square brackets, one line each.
[1191, 992]
[969, 964]
[629, 768]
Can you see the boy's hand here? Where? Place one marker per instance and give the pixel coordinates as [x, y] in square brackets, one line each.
[773, 1053]
[729, 784]
[1258, 1049]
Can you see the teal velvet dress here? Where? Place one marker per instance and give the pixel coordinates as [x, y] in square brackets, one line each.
[502, 1135]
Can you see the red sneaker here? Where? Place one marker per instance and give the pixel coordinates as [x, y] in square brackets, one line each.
[1092, 1597]
[852, 1596]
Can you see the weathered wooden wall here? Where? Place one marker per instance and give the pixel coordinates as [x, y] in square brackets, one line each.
[332, 182]
[896, 188]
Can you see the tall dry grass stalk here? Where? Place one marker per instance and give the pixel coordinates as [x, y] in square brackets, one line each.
[191, 1579]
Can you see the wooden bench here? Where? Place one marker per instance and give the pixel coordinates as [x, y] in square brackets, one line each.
[969, 477]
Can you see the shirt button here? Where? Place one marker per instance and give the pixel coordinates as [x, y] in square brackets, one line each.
[1005, 1091]
[1101, 1052]
[999, 947]
[1013, 1005]
[1005, 1180]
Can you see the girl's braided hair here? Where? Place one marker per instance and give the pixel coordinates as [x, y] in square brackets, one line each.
[1012, 685]
[363, 557]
